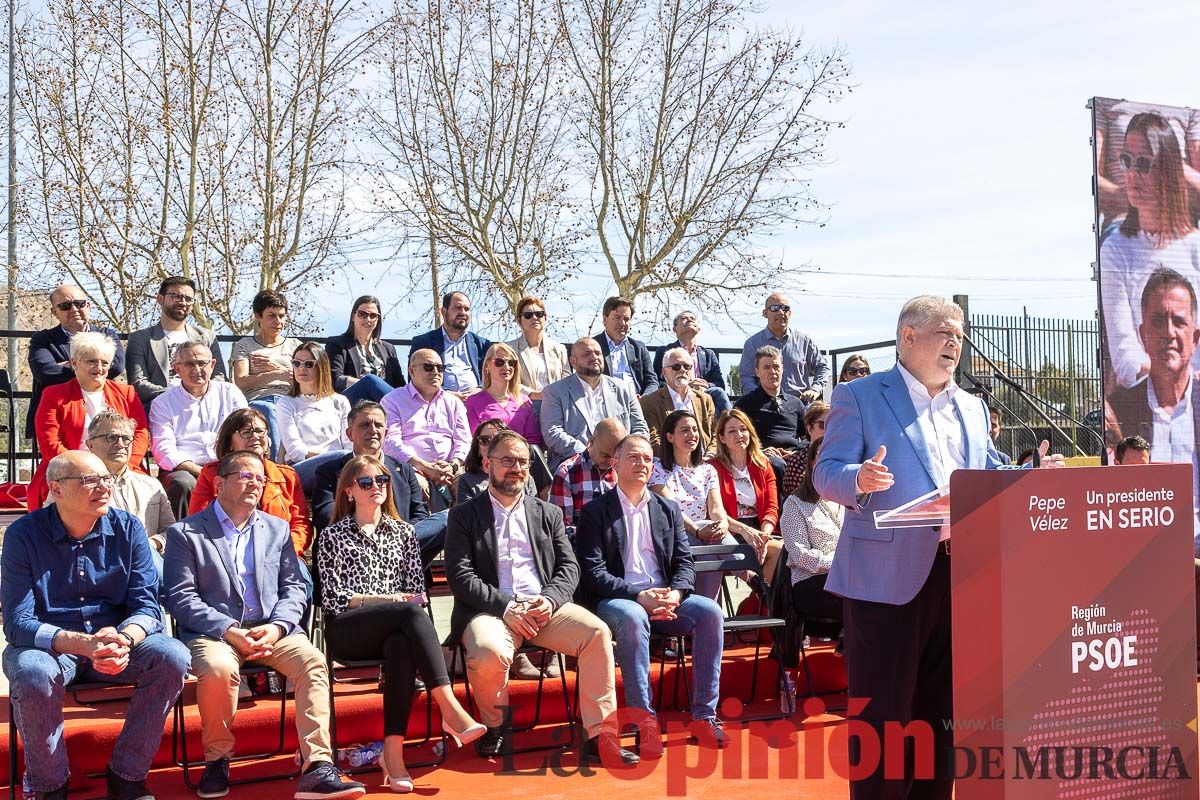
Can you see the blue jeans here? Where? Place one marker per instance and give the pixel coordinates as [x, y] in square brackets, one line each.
[306, 469]
[266, 406]
[631, 628]
[368, 387]
[38, 680]
[720, 399]
[431, 535]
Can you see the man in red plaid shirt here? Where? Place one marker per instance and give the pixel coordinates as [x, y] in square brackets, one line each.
[589, 474]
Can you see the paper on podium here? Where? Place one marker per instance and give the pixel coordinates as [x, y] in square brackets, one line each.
[925, 511]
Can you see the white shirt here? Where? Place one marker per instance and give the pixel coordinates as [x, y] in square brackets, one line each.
[514, 551]
[93, 404]
[683, 402]
[1173, 439]
[642, 570]
[173, 340]
[184, 428]
[593, 402]
[308, 425]
[941, 427]
[743, 487]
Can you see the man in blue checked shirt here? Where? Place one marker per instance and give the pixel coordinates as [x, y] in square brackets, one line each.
[80, 603]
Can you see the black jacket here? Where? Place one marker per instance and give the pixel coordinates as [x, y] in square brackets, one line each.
[346, 362]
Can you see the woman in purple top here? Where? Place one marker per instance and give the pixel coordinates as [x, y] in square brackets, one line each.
[502, 397]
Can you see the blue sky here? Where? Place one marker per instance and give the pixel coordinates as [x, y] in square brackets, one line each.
[965, 165]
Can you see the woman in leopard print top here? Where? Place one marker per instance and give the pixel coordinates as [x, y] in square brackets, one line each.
[372, 592]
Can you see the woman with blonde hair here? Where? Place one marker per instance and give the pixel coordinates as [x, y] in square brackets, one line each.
[373, 596]
[502, 397]
[312, 417]
[748, 491]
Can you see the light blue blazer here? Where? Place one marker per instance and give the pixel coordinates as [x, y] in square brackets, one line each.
[886, 565]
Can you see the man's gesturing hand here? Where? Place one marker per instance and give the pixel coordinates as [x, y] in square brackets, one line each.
[873, 476]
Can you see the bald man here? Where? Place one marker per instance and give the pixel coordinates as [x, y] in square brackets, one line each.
[50, 348]
[805, 371]
[587, 475]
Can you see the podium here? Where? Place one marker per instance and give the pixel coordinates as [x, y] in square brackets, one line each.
[1074, 633]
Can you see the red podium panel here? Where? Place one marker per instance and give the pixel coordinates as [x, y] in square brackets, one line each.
[1074, 633]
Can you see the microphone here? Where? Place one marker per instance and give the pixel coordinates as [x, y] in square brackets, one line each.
[995, 401]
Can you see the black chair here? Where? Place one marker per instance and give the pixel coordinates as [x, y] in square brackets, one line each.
[10, 424]
[790, 641]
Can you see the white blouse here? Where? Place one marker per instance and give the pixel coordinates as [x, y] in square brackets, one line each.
[688, 486]
[308, 425]
[810, 535]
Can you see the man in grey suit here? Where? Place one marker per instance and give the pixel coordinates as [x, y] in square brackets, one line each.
[573, 407]
[233, 583]
[150, 351]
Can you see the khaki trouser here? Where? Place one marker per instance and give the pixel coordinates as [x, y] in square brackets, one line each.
[215, 665]
[573, 630]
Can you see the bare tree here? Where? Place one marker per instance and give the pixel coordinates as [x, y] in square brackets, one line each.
[472, 115]
[701, 130]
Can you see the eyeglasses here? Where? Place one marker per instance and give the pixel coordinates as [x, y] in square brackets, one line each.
[113, 438]
[779, 307]
[501, 363]
[307, 364]
[245, 476]
[196, 364]
[434, 367]
[508, 462]
[177, 297]
[533, 314]
[678, 366]
[366, 481]
[369, 316]
[67, 305]
[92, 482]
[251, 432]
[857, 372]
[1141, 164]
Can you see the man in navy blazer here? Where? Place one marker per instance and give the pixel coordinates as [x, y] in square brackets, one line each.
[462, 351]
[234, 586]
[50, 349]
[637, 566]
[891, 437]
[625, 358]
[707, 373]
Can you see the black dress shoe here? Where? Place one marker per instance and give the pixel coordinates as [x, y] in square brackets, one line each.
[215, 780]
[121, 789]
[650, 744]
[491, 744]
[606, 747]
[712, 734]
[58, 794]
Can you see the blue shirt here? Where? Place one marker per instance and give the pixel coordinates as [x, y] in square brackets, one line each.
[240, 542]
[460, 375]
[618, 363]
[803, 365]
[51, 582]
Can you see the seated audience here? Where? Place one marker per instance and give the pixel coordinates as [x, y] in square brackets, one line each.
[262, 363]
[804, 371]
[778, 419]
[66, 409]
[367, 427]
[185, 421]
[637, 566]
[460, 350]
[499, 605]
[706, 376]
[234, 586]
[281, 496]
[312, 418]
[543, 360]
[502, 397]
[994, 431]
[748, 491]
[856, 366]
[364, 366]
[793, 465]
[474, 479]
[150, 362]
[373, 595]
[573, 406]
[677, 394]
[50, 349]
[625, 358]
[1133, 450]
[680, 474]
[110, 437]
[427, 428]
[811, 527]
[587, 475]
[102, 624]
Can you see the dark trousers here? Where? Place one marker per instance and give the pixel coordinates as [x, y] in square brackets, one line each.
[812, 601]
[403, 636]
[898, 658]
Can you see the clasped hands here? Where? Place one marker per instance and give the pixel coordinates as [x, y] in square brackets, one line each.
[660, 603]
[254, 643]
[526, 617]
[109, 651]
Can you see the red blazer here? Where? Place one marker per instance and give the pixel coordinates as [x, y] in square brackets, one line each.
[58, 424]
[766, 496]
[282, 497]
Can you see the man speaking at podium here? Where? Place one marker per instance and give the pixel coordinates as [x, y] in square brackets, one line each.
[890, 438]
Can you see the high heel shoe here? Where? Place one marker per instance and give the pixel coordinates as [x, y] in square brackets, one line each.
[465, 737]
[397, 785]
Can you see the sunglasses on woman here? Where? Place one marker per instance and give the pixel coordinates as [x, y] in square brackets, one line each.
[533, 314]
[306, 364]
[501, 363]
[1141, 164]
[857, 372]
[366, 481]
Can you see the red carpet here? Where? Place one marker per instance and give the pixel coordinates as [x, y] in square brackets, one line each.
[761, 756]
